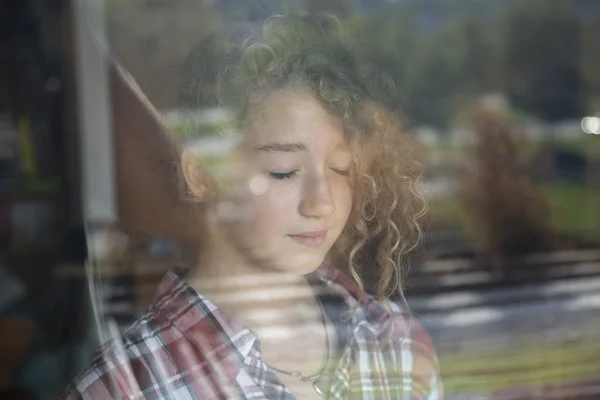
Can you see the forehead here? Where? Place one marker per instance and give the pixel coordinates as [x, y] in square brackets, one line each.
[294, 117]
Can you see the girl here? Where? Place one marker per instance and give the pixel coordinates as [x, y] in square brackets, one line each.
[322, 177]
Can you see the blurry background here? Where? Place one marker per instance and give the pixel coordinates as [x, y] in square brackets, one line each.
[505, 95]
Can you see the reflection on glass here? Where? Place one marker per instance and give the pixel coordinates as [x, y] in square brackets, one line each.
[306, 194]
[248, 167]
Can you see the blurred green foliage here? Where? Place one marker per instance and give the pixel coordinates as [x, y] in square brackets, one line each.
[531, 362]
[530, 51]
[541, 54]
[190, 130]
[573, 209]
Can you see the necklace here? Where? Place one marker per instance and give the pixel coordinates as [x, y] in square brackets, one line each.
[315, 378]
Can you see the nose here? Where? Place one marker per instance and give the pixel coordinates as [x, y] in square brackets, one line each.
[317, 200]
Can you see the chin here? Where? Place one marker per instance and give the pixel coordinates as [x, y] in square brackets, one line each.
[303, 266]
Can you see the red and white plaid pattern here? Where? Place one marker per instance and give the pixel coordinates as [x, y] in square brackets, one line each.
[186, 348]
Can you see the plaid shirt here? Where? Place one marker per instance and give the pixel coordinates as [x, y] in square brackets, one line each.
[186, 348]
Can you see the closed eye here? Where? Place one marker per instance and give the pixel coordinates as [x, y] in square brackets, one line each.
[282, 175]
[343, 172]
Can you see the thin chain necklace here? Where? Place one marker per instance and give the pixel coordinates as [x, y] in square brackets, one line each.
[313, 378]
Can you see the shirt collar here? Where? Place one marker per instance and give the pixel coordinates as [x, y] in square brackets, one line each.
[365, 312]
[228, 343]
[223, 341]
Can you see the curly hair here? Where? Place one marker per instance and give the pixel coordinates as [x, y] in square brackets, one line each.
[314, 55]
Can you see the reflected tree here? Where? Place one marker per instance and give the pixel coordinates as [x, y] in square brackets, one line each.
[540, 45]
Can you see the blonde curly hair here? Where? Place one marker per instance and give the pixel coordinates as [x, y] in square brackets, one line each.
[314, 55]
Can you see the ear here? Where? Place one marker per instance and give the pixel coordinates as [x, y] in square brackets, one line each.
[196, 177]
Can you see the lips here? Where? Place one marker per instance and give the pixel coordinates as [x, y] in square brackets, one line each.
[315, 238]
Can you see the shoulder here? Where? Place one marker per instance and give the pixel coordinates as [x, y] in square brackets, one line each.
[391, 319]
[119, 367]
[389, 335]
[407, 347]
[178, 346]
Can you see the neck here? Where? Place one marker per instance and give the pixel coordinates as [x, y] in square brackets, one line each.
[280, 308]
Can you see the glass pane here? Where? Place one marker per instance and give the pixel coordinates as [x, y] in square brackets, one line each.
[300, 199]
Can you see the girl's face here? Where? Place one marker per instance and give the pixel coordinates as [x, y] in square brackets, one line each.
[294, 192]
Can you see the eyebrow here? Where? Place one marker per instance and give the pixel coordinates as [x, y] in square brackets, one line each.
[284, 147]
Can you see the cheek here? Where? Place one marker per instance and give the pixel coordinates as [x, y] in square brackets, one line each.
[342, 192]
[268, 214]
[277, 206]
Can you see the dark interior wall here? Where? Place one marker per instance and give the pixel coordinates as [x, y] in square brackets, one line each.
[41, 224]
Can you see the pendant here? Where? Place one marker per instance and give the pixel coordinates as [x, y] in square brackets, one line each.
[315, 385]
